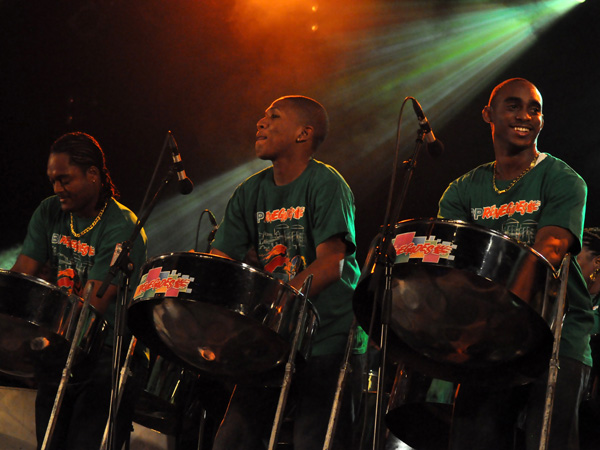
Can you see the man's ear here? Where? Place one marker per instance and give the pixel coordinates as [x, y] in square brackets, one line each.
[306, 134]
[596, 263]
[93, 173]
[486, 113]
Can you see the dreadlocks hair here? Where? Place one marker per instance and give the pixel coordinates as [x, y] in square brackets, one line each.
[85, 152]
[591, 239]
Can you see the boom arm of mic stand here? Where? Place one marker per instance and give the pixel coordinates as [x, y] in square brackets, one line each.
[123, 262]
[384, 265]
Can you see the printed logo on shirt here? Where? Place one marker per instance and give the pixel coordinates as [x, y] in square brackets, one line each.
[82, 248]
[280, 215]
[280, 250]
[156, 281]
[521, 231]
[69, 280]
[521, 207]
[429, 249]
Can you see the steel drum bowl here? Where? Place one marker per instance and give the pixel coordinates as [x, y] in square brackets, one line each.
[467, 303]
[37, 324]
[217, 315]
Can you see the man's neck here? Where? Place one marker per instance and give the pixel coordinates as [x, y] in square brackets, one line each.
[285, 170]
[511, 164]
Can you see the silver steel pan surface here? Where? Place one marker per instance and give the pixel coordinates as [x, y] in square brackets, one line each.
[216, 314]
[467, 302]
[37, 324]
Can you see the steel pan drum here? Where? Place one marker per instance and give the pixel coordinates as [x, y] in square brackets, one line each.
[216, 314]
[37, 324]
[468, 303]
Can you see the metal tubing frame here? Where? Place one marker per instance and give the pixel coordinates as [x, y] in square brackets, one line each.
[290, 365]
[66, 373]
[554, 360]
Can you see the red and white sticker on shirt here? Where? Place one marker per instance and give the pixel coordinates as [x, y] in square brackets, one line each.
[157, 281]
[426, 248]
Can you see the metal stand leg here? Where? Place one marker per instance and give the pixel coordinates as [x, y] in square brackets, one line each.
[125, 373]
[554, 361]
[67, 370]
[290, 366]
[335, 410]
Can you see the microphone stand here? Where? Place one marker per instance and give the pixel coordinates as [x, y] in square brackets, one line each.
[384, 262]
[124, 265]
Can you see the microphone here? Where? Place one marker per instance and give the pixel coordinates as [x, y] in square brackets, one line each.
[435, 147]
[185, 184]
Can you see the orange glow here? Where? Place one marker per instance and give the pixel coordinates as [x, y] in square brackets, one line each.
[314, 27]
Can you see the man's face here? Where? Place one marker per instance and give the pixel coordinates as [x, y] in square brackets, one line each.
[516, 115]
[77, 190]
[277, 130]
[588, 261]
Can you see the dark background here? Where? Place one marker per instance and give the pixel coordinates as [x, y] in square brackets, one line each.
[126, 72]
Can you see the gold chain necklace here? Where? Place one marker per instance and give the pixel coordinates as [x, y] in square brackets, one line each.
[531, 166]
[96, 220]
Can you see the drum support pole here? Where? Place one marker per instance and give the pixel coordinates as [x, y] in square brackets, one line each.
[386, 306]
[335, 410]
[125, 372]
[66, 374]
[554, 362]
[290, 366]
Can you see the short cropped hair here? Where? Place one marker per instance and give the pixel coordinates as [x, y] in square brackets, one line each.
[313, 113]
[504, 83]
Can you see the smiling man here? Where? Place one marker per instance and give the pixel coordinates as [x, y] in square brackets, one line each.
[539, 200]
[73, 234]
[297, 218]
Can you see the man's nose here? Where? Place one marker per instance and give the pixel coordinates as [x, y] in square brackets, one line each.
[523, 114]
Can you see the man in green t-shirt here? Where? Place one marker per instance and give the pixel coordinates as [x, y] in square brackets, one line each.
[74, 234]
[297, 218]
[539, 200]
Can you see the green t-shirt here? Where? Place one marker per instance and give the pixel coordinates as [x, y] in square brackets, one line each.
[285, 224]
[550, 194]
[74, 261]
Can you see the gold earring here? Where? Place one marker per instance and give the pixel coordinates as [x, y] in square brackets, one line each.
[594, 275]
[298, 139]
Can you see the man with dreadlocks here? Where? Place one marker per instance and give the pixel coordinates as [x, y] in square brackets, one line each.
[74, 233]
[589, 260]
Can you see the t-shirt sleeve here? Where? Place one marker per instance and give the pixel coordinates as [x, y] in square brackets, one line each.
[36, 244]
[451, 205]
[564, 205]
[233, 237]
[118, 233]
[334, 212]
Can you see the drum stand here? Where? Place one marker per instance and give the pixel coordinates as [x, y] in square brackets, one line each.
[290, 365]
[554, 363]
[335, 409]
[66, 374]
